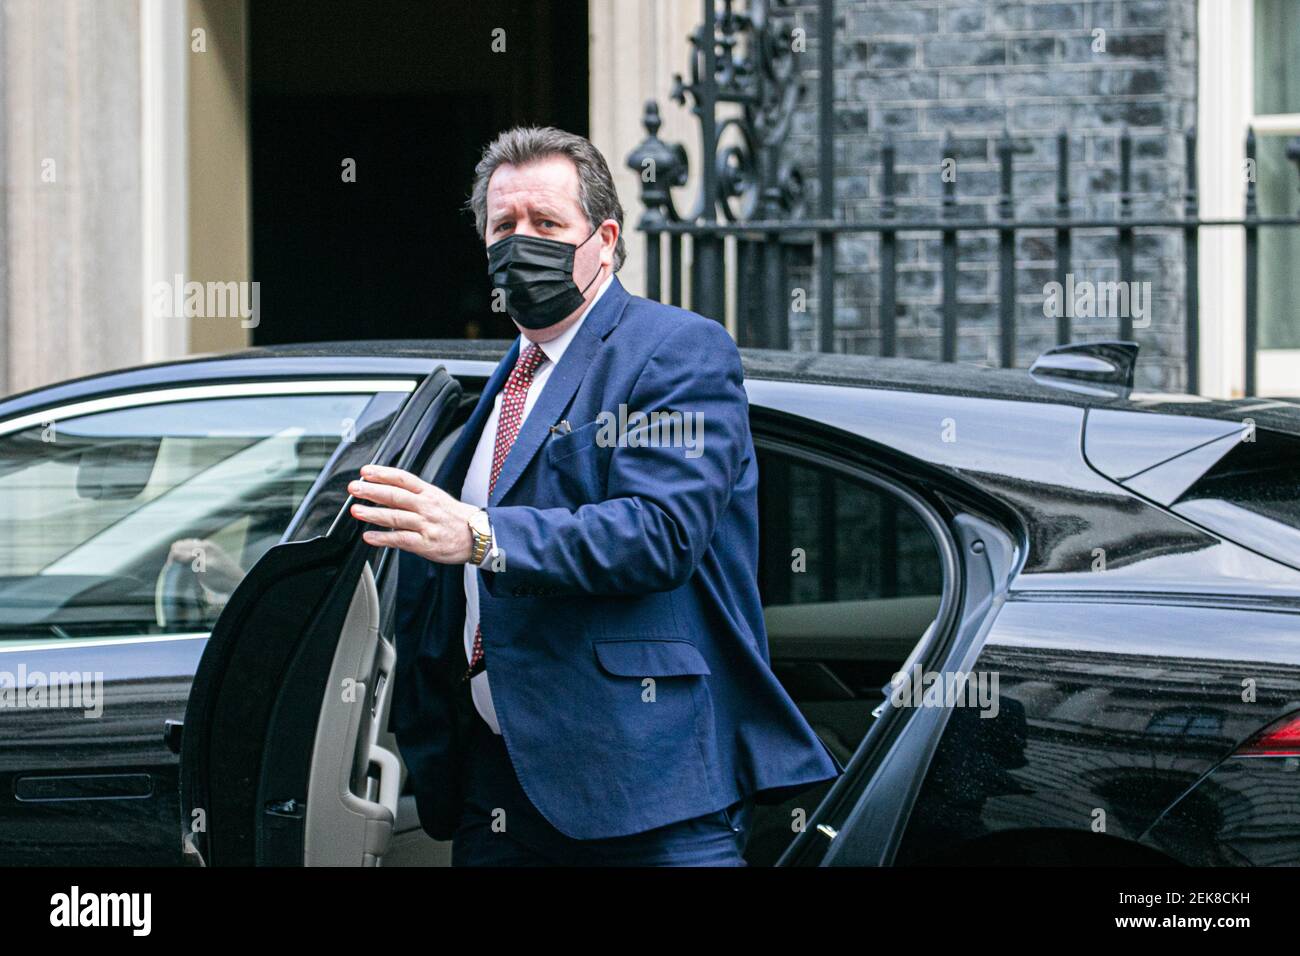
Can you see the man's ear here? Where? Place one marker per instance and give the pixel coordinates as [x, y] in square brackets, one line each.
[608, 242]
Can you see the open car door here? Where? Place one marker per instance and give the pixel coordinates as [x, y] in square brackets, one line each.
[862, 819]
[282, 731]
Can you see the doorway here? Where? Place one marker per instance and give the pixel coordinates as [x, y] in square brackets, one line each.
[409, 92]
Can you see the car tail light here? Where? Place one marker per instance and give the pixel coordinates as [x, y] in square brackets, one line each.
[1279, 739]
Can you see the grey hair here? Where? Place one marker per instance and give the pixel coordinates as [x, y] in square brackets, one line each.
[525, 144]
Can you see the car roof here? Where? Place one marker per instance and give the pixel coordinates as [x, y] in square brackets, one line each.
[417, 356]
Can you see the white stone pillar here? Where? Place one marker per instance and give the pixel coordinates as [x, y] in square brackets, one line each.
[635, 50]
[70, 233]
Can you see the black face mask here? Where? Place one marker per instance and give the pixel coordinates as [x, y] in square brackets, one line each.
[537, 277]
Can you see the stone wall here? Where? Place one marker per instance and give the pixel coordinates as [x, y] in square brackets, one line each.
[921, 68]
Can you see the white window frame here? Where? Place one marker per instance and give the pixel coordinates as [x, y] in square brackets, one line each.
[191, 393]
[1226, 111]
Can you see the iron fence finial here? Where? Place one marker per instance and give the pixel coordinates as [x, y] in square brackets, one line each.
[660, 166]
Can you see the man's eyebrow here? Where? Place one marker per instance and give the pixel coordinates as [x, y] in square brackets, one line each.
[540, 212]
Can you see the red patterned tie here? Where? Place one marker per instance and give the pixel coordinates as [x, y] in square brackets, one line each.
[512, 414]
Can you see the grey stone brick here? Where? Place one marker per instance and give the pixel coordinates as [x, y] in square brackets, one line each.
[897, 118]
[1033, 50]
[897, 86]
[983, 116]
[1055, 16]
[1136, 46]
[966, 20]
[961, 86]
[962, 51]
[889, 54]
[1128, 82]
[1007, 16]
[1145, 13]
[896, 19]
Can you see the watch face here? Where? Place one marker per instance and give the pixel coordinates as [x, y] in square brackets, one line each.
[479, 522]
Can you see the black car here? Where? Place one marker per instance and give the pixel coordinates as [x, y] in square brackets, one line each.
[1039, 617]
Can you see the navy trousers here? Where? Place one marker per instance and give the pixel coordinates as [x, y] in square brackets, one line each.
[499, 826]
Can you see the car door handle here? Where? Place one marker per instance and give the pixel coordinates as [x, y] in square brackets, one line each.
[390, 777]
[84, 786]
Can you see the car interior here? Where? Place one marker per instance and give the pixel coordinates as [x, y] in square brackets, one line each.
[851, 583]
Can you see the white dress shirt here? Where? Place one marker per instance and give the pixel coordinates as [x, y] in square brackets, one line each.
[475, 489]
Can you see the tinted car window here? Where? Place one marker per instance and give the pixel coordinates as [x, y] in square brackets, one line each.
[1252, 496]
[849, 576]
[143, 520]
[1261, 476]
[828, 538]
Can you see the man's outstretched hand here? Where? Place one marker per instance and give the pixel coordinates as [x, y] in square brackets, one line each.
[423, 518]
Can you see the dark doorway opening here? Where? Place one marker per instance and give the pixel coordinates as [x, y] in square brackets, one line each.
[410, 90]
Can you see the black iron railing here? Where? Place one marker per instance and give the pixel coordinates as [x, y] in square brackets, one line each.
[743, 59]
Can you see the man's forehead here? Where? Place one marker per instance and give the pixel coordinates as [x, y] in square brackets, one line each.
[553, 179]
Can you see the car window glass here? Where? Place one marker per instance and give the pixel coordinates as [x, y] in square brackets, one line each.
[1252, 495]
[828, 538]
[1260, 474]
[142, 520]
[849, 576]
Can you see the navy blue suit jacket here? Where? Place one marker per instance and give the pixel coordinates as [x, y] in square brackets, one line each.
[624, 635]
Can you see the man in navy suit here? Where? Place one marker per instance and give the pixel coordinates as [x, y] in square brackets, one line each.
[583, 673]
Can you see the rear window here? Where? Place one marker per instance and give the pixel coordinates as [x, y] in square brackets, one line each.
[1252, 496]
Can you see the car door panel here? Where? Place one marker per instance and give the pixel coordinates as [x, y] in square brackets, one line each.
[1123, 708]
[862, 819]
[247, 752]
[95, 790]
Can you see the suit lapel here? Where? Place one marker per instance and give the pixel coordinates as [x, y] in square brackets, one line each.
[560, 386]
